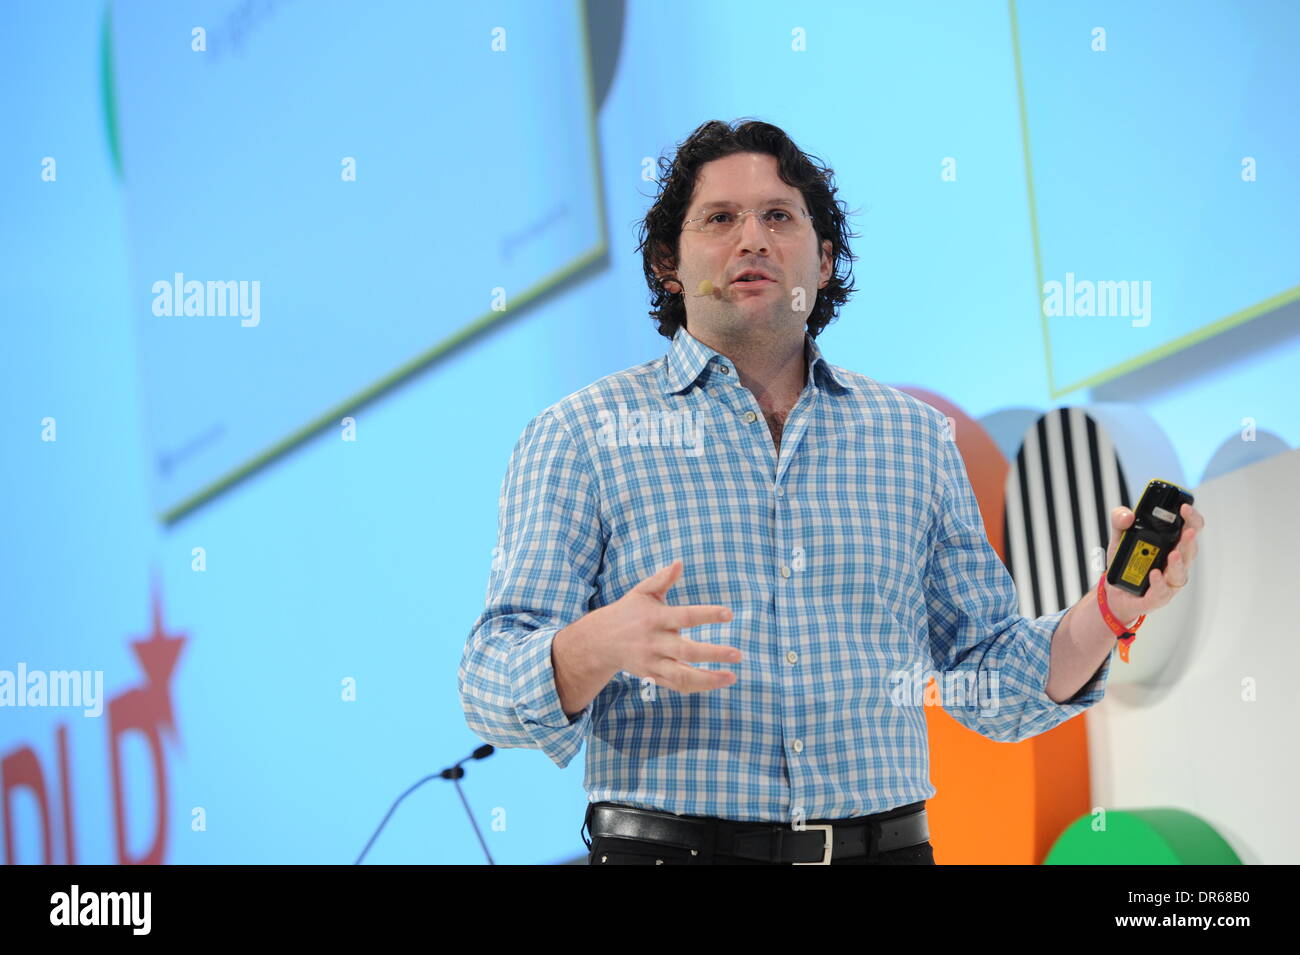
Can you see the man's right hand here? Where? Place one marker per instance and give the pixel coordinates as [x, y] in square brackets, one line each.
[639, 633]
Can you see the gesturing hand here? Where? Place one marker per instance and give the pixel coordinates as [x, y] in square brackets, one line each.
[640, 633]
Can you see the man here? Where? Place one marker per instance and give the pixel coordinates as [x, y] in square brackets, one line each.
[816, 529]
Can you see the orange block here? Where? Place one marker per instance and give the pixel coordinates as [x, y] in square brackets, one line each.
[998, 803]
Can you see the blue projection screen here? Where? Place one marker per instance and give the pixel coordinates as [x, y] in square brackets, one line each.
[1162, 184]
[273, 203]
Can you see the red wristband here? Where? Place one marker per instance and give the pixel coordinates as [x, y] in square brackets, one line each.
[1125, 635]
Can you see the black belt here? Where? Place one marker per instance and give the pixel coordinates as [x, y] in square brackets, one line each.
[810, 844]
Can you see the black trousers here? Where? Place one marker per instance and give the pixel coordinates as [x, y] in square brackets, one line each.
[605, 850]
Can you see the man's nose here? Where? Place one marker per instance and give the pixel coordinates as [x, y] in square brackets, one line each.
[752, 233]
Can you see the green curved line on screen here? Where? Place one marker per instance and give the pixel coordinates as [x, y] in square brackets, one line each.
[1191, 338]
[385, 384]
[1029, 186]
[108, 90]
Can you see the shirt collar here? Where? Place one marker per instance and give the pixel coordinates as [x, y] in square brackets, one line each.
[688, 356]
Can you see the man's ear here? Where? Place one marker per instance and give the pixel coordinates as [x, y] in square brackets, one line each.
[667, 277]
[828, 262]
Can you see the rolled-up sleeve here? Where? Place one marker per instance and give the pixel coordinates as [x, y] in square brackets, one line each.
[549, 547]
[975, 628]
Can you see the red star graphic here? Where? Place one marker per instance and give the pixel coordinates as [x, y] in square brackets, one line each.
[157, 657]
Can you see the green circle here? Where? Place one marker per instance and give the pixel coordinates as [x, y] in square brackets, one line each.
[1141, 837]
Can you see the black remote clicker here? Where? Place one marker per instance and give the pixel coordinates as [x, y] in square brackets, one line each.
[1146, 543]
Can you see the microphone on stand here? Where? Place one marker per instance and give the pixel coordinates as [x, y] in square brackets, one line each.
[455, 773]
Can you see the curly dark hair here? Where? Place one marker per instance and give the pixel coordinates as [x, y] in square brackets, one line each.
[660, 231]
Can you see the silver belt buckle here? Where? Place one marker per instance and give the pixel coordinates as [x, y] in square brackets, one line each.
[826, 848]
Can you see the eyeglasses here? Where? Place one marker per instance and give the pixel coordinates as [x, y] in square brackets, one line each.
[781, 221]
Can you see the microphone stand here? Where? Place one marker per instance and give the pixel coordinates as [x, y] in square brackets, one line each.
[455, 773]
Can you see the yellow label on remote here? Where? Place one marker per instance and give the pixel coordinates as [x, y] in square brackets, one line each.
[1143, 556]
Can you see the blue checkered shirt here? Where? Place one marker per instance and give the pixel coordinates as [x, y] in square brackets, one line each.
[855, 563]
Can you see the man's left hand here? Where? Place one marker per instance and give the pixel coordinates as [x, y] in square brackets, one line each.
[1163, 585]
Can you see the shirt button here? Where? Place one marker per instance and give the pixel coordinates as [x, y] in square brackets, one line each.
[798, 746]
[780, 492]
[792, 657]
[785, 571]
[724, 369]
[751, 417]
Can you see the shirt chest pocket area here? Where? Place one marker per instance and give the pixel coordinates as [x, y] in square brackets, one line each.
[866, 513]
